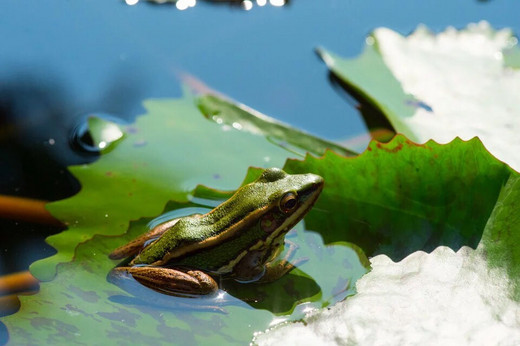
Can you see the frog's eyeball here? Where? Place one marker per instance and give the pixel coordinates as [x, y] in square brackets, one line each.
[288, 202]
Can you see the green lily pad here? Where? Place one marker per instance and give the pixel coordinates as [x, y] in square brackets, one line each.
[402, 197]
[458, 286]
[247, 119]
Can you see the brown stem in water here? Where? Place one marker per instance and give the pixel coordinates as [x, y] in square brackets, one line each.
[26, 209]
[17, 283]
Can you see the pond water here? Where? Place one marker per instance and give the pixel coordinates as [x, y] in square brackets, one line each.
[63, 60]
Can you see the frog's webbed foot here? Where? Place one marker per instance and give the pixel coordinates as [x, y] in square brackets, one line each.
[132, 248]
[276, 269]
[170, 281]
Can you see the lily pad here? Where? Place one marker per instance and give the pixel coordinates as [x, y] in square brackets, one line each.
[401, 197]
[249, 120]
[441, 86]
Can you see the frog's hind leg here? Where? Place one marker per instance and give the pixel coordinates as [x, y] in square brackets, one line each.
[168, 280]
[132, 248]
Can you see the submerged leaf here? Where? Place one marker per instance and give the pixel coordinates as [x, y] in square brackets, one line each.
[79, 305]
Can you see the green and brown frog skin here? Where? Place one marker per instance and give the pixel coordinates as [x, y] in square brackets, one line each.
[241, 238]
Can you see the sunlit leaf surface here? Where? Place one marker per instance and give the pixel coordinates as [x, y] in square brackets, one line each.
[441, 86]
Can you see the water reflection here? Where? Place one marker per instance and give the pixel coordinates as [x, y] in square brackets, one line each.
[185, 4]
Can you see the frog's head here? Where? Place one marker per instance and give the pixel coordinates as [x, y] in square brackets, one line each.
[288, 196]
[281, 200]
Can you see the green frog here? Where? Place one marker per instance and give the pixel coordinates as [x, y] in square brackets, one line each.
[241, 238]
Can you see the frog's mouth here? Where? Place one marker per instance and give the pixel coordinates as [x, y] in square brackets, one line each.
[309, 195]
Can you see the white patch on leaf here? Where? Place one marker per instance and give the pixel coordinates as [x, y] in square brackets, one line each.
[442, 298]
[462, 77]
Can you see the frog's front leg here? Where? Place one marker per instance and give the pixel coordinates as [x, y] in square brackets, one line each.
[276, 269]
[169, 280]
[132, 248]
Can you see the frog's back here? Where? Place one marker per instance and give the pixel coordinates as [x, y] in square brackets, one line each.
[184, 233]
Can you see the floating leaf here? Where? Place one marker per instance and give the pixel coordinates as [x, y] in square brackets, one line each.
[79, 305]
[401, 197]
[247, 119]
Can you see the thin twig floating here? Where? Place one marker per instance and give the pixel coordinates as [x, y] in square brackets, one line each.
[26, 209]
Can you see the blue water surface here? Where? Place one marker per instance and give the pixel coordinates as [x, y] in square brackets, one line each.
[109, 56]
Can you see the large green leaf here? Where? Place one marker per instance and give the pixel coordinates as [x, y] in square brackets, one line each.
[441, 86]
[401, 197]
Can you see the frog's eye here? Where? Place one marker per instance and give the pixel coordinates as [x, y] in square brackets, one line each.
[288, 202]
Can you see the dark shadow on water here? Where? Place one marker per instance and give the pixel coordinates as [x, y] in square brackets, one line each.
[37, 115]
[279, 297]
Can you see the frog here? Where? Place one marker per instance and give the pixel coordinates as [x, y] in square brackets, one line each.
[241, 239]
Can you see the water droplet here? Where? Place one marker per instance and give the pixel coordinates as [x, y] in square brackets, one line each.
[218, 120]
[94, 132]
[237, 126]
